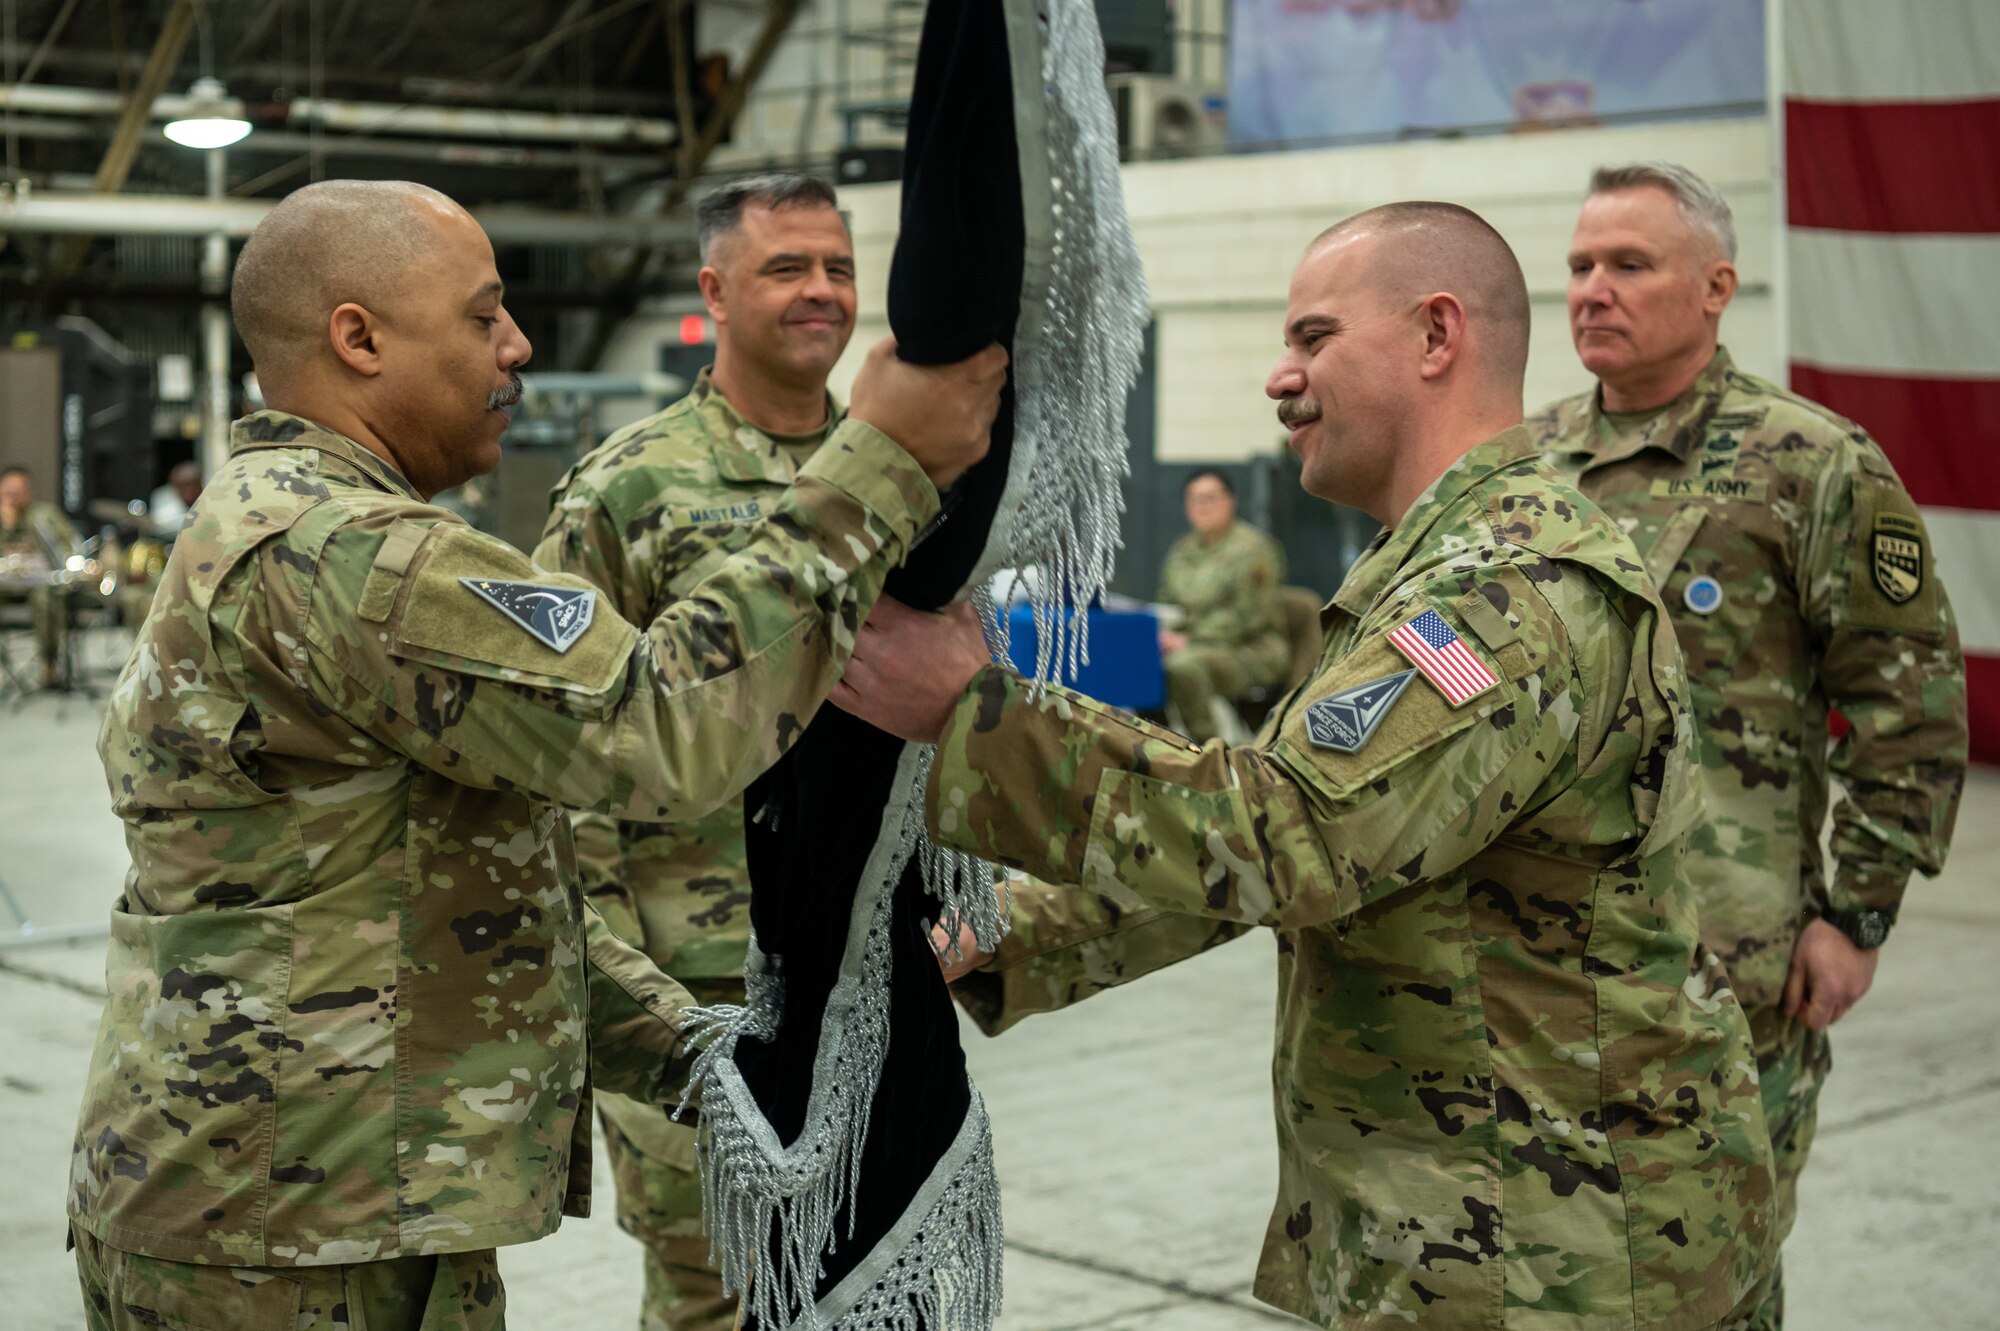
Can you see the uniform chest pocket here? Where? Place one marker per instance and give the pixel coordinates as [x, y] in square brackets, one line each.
[1675, 536]
[1720, 581]
[700, 555]
[704, 537]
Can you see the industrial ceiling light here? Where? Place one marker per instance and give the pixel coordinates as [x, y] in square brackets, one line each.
[208, 120]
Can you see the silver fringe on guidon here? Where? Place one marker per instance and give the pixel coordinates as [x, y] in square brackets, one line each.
[771, 1209]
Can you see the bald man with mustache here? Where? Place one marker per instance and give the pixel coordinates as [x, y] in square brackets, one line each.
[357, 1008]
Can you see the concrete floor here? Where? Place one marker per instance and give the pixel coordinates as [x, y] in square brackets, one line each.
[1134, 1132]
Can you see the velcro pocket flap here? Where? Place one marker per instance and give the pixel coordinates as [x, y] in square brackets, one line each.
[442, 620]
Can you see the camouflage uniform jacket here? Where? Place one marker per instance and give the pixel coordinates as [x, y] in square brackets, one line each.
[1798, 575]
[646, 517]
[1229, 589]
[1508, 1092]
[42, 529]
[353, 1011]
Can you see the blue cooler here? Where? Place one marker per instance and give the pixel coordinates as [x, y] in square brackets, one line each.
[1124, 668]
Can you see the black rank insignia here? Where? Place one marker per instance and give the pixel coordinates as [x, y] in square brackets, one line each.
[554, 616]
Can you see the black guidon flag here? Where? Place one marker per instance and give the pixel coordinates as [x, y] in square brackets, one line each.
[847, 1167]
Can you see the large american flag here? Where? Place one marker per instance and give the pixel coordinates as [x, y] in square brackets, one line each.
[1446, 662]
[1891, 134]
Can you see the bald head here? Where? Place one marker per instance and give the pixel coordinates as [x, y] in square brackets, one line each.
[325, 245]
[376, 309]
[1424, 247]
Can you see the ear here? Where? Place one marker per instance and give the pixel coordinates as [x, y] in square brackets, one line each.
[1442, 319]
[711, 294]
[354, 333]
[1718, 288]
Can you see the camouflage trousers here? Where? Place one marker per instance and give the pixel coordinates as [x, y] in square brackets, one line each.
[124, 1291]
[48, 611]
[659, 1202]
[1197, 675]
[1792, 1063]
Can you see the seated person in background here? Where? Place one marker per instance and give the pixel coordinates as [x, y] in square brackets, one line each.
[169, 506]
[36, 538]
[1225, 576]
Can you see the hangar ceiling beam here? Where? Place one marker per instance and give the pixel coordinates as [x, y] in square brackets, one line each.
[133, 119]
[694, 156]
[52, 212]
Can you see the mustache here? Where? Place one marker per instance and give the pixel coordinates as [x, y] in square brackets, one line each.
[510, 396]
[816, 309]
[1297, 411]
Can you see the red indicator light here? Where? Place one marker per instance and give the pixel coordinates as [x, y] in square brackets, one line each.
[694, 330]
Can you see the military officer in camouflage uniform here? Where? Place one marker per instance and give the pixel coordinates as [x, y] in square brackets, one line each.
[1511, 1091]
[355, 1018]
[38, 537]
[1799, 577]
[1224, 575]
[646, 517]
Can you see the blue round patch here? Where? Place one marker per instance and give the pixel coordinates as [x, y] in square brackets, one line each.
[1703, 595]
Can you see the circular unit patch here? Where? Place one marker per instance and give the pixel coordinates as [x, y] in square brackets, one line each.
[1703, 595]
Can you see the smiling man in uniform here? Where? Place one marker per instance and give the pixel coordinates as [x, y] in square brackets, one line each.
[646, 517]
[1511, 1091]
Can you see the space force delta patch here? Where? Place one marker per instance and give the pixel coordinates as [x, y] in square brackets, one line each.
[1346, 720]
[554, 616]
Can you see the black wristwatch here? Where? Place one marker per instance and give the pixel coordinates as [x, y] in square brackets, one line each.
[1867, 929]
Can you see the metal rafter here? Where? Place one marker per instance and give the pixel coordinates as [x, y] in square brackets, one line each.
[541, 50]
[694, 156]
[133, 120]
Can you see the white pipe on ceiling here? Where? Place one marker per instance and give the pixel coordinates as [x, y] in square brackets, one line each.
[365, 117]
[49, 212]
[450, 152]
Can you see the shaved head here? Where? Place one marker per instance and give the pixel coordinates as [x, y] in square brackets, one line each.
[376, 309]
[1424, 247]
[1406, 343]
[323, 246]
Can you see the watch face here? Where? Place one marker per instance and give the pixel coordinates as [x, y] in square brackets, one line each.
[1872, 930]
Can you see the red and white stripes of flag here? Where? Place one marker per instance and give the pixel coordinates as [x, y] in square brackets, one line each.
[1433, 648]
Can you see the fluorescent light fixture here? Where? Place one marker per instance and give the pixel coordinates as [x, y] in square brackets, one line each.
[207, 121]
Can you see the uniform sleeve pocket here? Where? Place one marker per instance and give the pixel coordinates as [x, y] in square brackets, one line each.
[475, 606]
[1892, 578]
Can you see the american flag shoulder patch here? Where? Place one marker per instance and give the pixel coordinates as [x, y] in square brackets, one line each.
[1434, 649]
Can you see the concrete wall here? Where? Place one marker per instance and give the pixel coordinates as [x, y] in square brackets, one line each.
[1219, 237]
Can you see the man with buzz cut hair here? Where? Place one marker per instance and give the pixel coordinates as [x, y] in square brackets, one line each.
[1511, 1090]
[645, 517]
[356, 1010]
[1800, 581]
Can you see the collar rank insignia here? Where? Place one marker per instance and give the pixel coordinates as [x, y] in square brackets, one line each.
[554, 616]
[1346, 720]
[1898, 556]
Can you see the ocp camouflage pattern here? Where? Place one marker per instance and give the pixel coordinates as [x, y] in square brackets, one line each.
[646, 516]
[354, 1013]
[1510, 1088]
[1777, 502]
[1800, 578]
[1229, 590]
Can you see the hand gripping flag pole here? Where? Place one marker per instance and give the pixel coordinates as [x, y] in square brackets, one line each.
[847, 1168]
